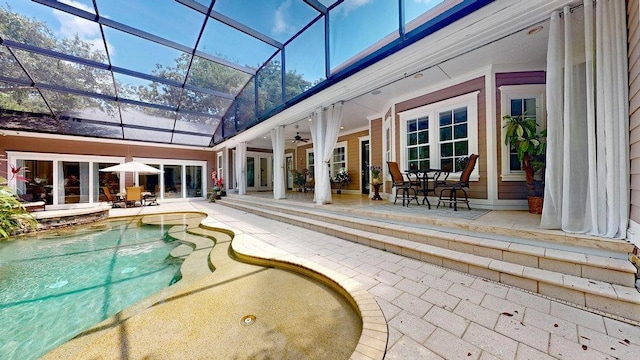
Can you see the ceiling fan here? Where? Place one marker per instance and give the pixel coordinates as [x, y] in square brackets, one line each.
[298, 138]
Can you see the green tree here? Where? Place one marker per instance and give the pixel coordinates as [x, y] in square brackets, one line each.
[44, 69]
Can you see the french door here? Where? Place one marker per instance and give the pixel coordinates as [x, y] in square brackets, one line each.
[259, 173]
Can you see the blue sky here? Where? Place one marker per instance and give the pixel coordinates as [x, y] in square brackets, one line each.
[355, 25]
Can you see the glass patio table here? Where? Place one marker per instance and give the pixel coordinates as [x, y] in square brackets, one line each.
[427, 180]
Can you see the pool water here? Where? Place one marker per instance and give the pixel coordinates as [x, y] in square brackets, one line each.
[55, 286]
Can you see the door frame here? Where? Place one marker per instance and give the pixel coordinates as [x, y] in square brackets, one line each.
[365, 183]
[257, 175]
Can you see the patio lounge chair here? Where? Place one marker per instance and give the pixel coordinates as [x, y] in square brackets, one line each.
[452, 188]
[403, 187]
[150, 199]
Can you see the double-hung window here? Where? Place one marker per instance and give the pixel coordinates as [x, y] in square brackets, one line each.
[310, 162]
[339, 158]
[519, 100]
[387, 139]
[437, 135]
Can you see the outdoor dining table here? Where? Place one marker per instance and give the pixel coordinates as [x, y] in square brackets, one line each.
[427, 180]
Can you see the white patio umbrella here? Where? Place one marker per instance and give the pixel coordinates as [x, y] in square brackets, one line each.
[132, 166]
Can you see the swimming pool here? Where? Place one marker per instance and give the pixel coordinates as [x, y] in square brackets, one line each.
[54, 286]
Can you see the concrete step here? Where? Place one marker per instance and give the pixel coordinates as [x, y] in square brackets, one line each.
[596, 282]
[579, 262]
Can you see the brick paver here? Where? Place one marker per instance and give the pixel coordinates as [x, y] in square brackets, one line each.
[432, 312]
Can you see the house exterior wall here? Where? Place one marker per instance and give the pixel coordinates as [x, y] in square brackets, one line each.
[511, 190]
[477, 189]
[79, 147]
[633, 39]
[375, 144]
[353, 159]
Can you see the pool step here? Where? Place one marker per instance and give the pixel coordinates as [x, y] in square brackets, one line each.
[597, 282]
[195, 249]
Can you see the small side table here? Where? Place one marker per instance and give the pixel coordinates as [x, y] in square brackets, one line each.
[376, 194]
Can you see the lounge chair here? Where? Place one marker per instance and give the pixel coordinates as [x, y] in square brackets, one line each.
[150, 199]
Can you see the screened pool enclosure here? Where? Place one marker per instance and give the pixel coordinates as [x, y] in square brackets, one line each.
[190, 72]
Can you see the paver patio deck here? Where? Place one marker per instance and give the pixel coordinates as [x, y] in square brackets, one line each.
[433, 312]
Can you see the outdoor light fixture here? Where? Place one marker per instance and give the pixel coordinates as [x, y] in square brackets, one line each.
[535, 30]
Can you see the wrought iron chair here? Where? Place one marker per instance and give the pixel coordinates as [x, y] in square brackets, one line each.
[403, 187]
[452, 188]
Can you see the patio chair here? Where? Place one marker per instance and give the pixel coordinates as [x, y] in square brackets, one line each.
[150, 199]
[452, 188]
[403, 187]
[309, 184]
[110, 199]
[134, 196]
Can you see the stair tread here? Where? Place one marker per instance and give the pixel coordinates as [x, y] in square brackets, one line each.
[476, 238]
[586, 285]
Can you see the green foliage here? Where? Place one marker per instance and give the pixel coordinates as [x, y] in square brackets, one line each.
[299, 177]
[17, 27]
[201, 72]
[13, 214]
[521, 134]
[342, 177]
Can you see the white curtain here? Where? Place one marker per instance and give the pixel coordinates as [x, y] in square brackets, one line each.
[277, 142]
[325, 127]
[587, 175]
[241, 168]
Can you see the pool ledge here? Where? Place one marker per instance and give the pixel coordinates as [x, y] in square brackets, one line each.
[53, 219]
[373, 340]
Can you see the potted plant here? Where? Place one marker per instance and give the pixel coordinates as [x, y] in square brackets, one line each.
[299, 178]
[375, 174]
[341, 178]
[522, 136]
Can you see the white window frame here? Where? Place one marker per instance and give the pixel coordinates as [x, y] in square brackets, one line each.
[56, 158]
[508, 93]
[308, 165]
[387, 141]
[220, 167]
[342, 144]
[469, 101]
[182, 164]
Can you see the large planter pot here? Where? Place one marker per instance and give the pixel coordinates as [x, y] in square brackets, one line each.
[535, 204]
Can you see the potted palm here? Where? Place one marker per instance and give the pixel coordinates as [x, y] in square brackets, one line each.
[522, 136]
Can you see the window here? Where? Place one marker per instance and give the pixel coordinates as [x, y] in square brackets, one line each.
[438, 135]
[453, 138]
[339, 158]
[387, 140]
[219, 162]
[520, 100]
[310, 162]
[418, 143]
